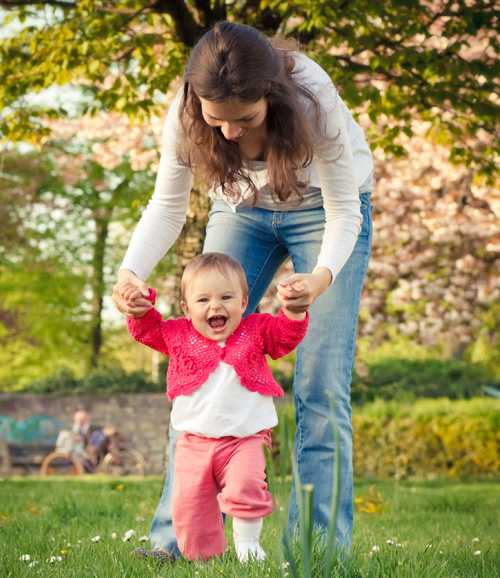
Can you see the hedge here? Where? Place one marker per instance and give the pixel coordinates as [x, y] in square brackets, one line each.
[425, 439]
[401, 379]
[111, 380]
[407, 379]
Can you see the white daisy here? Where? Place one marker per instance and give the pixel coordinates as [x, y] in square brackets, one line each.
[129, 534]
[53, 559]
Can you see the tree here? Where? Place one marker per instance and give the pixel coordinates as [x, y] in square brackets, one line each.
[394, 62]
[433, 276]
[83, 204]
[96, 185]
[39, 293]
[394, 59]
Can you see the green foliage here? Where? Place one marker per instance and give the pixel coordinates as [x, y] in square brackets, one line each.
[393, 376]
[39, 319]
[118, 57]
[58, 256]
[396, 59]
[399, 378]
[486, 348]
[20, 175]
[428, 438]
[388, 379]
[408, 59]
[283, 370]
[425, 438]
[113, 380]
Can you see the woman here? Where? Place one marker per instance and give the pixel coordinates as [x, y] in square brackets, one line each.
[290, 175]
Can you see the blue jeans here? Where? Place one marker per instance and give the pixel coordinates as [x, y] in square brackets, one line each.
[261, 240]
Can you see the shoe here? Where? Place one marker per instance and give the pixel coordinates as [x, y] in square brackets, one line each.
[157, 555]
[250, 551]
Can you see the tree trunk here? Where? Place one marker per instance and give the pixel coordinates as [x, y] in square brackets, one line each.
[101, 220]
[190, 242]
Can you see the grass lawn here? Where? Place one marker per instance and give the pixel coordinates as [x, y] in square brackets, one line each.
[407, 529]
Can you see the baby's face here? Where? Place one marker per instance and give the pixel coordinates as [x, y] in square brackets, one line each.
[215, 303]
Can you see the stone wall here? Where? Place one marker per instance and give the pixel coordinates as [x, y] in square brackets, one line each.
[142, 418]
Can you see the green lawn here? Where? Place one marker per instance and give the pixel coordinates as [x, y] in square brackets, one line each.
[410, 529]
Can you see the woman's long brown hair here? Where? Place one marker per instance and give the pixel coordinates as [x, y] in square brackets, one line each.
[237, 61]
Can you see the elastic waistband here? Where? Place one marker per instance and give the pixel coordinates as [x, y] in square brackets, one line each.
[196, 438]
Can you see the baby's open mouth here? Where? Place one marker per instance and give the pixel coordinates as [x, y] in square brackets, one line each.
[217, 321]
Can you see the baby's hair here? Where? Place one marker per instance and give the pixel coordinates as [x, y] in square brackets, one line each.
[210, 261]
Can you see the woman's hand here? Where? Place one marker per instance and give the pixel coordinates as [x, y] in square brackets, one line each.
[298, 291]
[129, 294]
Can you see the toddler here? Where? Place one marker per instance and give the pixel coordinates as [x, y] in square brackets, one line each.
[222, 392]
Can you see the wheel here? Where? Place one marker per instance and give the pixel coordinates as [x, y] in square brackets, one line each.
[61, 464]
[123, 463]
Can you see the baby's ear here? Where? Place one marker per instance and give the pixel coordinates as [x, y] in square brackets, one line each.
[244, 302]
[185, 309]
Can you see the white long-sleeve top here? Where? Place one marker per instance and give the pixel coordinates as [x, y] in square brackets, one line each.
[223, 407]
[342, 167]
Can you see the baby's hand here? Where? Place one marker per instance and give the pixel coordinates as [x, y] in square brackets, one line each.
[130, 293]
[134, 300]
[287, 294]
[295, 287]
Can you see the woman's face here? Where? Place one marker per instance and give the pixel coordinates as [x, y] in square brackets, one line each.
[236, 118]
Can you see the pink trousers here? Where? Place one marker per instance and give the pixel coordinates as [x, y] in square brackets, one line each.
[214, 475]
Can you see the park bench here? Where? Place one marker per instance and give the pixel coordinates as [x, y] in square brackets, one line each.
[24, 443]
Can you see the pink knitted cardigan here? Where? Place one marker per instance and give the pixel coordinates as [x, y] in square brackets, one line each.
[194, 357]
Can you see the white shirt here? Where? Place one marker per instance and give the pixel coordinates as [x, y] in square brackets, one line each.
[223, 407]
[342, 166]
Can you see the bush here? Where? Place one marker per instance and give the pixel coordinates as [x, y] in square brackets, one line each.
[113, 380]
[407, 379]
[423, 439]
[61, 382]
[400, 379]
[428, 438]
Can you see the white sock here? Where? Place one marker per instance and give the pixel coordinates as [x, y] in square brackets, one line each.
[246, 535]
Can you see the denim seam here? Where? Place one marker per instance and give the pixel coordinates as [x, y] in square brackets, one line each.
[360, 288]
[299, 423]
[300, 437]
